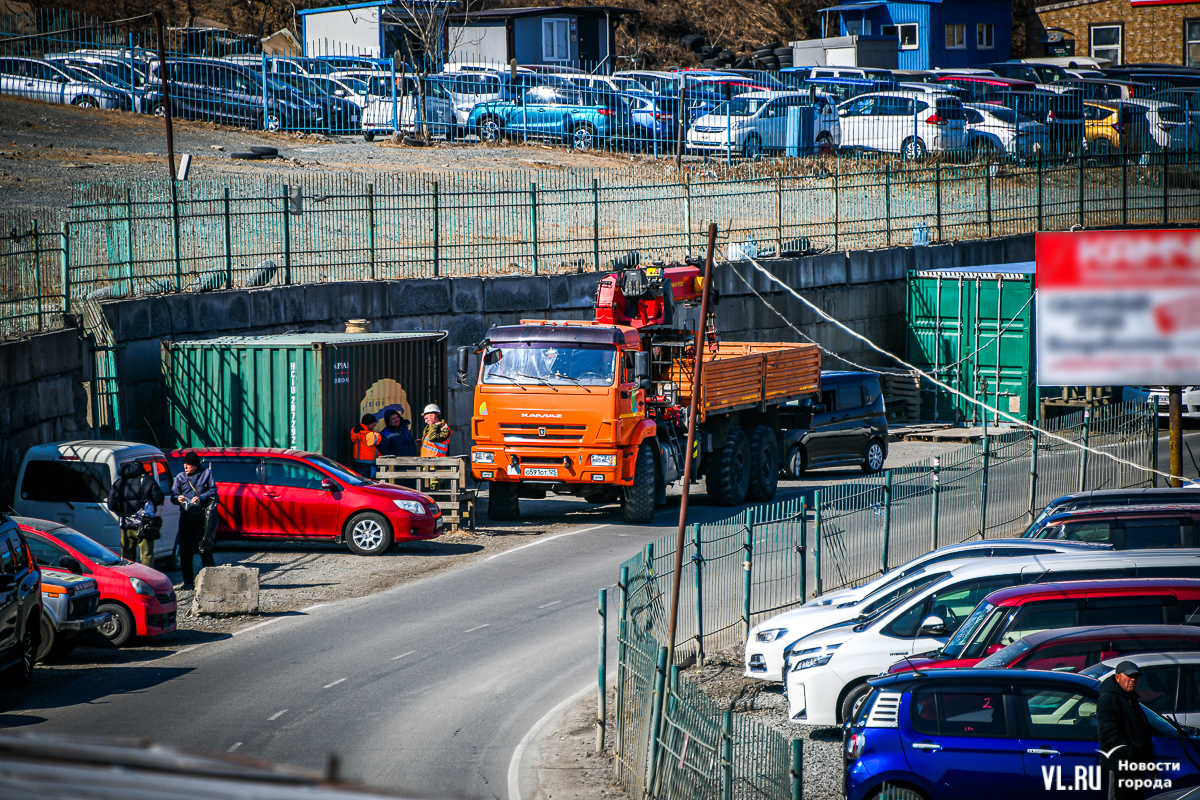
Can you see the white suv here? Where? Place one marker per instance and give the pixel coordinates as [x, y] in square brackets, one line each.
[907, 122]
[769, 640]
[756, 122]
[827, 672]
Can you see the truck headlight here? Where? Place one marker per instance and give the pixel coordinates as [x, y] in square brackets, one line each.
[603, 459]
[769, 635]
[411, 506]
[483, 457]
[141, 587]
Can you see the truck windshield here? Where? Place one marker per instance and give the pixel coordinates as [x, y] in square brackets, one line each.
[550, 363]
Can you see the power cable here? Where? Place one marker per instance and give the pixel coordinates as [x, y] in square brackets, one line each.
[1011, 418]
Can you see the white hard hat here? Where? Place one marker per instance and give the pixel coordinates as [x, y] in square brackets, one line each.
[432, 408]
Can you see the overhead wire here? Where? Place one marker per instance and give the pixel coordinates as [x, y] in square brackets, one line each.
[1007, 416]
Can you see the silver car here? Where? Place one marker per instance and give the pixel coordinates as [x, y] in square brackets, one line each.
[58, 83]
[996, 130]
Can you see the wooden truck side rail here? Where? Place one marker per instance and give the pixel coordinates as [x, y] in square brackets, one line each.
[750, 375]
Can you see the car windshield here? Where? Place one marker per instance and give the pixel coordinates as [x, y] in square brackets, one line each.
[1009, 116]
[969, 640]
[319, 68]
[1008, 655]
[550, 364]
[89, 548]
[77, 74]
[344, 474]
[629, 85]
[1097, 671]
[356, 85]
[886, 597]
[740, 107]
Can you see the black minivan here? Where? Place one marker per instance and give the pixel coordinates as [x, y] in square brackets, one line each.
[847, 426]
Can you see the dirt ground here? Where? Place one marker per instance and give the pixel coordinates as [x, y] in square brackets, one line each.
[566, 763]
[45, 148]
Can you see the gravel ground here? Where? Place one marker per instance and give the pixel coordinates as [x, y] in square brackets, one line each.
[566, 764]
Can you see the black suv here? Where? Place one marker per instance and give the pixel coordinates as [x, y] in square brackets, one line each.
[847, 426]
[20, 606]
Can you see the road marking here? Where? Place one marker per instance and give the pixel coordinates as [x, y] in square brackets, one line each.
[314, 608]
[477, 627]
[556, 602]
[259, 625]
[547, 539]
[514, 764]
[276, 715]
[402, 655]
[236, 745]
[187, 649]
[335, 683]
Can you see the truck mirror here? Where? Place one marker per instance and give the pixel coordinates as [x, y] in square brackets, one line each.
[464, 364]
[641, 369]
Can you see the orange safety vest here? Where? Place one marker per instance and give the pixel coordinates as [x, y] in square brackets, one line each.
[365, 441]
[434, 449]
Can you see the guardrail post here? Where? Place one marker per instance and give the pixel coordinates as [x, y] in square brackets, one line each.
[1079, 170]
[175, 229]
[778, 216]
[933, 515]
[371, 228]
[37, 269]
[887, 520]
[887, 201]
[797, 769]
[602, 677]
[802, 550]
[287, 238]
[656, 709]
[395, 110]
[727, 756]
[129, 237]
[1033, 475]
[747, 574]
[437, 231]
[1124, 188]
[987, 192]
[533, 223]
[817, 538]
[983, 486]
[65, 265]
[836, 195]
[1165, 211]
[596, 224]
[1039, 191]
[1152, 441]
[622, 616]
[228, 242]
[937, 180]
[1083, 454]
[698, 560]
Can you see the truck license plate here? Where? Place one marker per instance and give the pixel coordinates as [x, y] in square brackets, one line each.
[539, 472]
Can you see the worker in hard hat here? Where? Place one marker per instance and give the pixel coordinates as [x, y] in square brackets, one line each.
[435, 443]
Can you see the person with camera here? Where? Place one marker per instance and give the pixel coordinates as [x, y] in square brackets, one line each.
[194, 491]
[135, 497]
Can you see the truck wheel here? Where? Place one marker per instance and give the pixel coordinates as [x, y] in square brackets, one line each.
[764, 464]
[795, 464]
[503, 504]
[729, 474]
[48, 639]
[637, 502]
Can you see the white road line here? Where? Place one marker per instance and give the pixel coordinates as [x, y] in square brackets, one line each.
[547, 539]
[556, 602]
[276, 715]
[259, 625]
[477, 627]
[402, 655]
[236, 745]
[186, 649]
[514, 764]
[314, 608]
[335, 683]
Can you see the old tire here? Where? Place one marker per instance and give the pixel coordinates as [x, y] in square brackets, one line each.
[368, 137]
[368, 534]
[263, 150]
[48, 639]
[503, 502]
[245, 156]
[764, 464]
[852, 700]
[729, 473]
[873, 457]
[120, 628]
[637, 502]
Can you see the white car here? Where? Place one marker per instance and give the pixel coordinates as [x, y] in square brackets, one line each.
[385, 113]
[756, 122]
[769, 640]
[1167, 685]
[1167, 124]
[827, 671]
[1190, 400]
[995, 130]
[907, 122]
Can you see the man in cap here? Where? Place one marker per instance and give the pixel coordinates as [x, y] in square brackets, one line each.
[192, 491]
[435, 443]
[1124, 733]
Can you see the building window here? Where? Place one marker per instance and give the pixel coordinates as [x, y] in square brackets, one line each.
[556, 42]
[906, 32]
[956, 37]
[985, 36]
[858, 27]
[1191, 41]
[1106, 42]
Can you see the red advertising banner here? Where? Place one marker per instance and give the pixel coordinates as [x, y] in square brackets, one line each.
[1118, 308]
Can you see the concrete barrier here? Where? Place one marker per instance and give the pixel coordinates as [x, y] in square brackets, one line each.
[226, 591]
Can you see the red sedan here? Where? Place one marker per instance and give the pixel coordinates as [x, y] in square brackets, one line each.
[140, 599]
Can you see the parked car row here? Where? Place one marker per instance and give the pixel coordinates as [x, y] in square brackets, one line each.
[993, 650]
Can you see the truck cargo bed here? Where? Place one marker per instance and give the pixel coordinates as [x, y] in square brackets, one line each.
[751, 375]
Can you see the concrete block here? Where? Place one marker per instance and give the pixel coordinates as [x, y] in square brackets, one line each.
[131, 320]
[318, 305]
[829, 269]
[529, 295]
[466, 295]
[417, 297]
[464, 329]
[140, 362]
[934, 256]
[267, 307]
[182, 315]
[222, 591]
[223, 311]
[580, 290]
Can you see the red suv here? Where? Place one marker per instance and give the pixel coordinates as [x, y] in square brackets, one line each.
[1009, 615]
[139, 598]
[268, 493]
[1075, 649]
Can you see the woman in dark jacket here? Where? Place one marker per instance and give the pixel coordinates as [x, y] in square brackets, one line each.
[130, 492]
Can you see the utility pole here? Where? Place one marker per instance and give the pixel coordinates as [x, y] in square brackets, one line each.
[163, 78]
[1175, 438]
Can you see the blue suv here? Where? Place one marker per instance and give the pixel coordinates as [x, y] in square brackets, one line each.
[981, 734]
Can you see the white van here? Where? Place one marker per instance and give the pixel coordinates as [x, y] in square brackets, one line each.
[756, 122]
[68, 482]
[826, 672]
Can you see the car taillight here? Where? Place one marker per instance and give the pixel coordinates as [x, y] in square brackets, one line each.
[934, 119]
[1118, 127]
[662, 117]
[855, 746]
[1051, 116]
[607, 112]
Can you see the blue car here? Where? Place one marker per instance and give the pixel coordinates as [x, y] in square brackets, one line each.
[983, 734]
[551, 112]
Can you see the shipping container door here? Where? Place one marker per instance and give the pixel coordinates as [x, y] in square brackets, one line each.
[937, 341]
[1003, 360]
[295, 505]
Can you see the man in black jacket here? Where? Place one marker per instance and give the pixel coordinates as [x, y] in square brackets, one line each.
[192, 491]
[1124, 733]
[130, 492]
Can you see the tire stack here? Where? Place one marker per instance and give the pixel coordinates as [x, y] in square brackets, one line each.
[766, 58]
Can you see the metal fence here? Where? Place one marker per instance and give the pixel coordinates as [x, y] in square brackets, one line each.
[160, 236]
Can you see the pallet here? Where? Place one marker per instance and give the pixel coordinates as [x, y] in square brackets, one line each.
[455, 500]
[902, 395]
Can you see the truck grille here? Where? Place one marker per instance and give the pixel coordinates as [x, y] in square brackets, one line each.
[84, 606]
[520, 432]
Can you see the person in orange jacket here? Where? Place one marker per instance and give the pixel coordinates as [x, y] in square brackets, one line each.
[365, 446]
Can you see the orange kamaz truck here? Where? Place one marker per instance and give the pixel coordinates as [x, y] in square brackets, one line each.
[599, 409]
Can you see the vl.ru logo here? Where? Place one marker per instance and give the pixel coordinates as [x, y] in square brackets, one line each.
[1085, 779]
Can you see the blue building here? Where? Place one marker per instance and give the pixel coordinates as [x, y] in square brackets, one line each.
[932, 33]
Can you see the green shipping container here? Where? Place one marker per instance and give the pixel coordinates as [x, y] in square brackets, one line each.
[953, 319]
[302, 390]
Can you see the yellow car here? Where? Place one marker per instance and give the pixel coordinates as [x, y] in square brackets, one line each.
[1114, 127]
